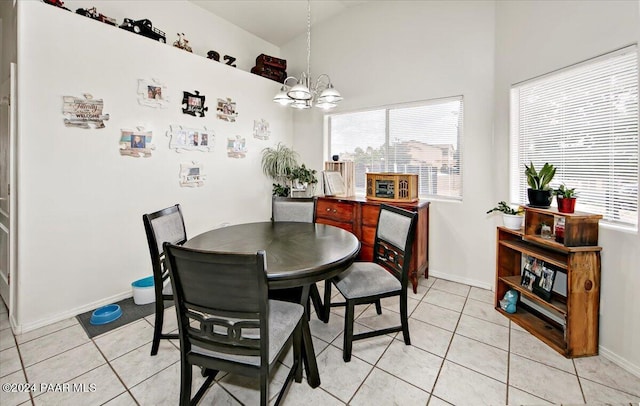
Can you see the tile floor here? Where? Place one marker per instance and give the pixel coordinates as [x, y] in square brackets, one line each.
[463, 353]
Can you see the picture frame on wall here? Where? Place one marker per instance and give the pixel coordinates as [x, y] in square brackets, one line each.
[152, 93]
[190, 138]
[136, 143]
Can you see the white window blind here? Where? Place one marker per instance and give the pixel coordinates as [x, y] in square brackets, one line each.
[584, 121]
[423, 138]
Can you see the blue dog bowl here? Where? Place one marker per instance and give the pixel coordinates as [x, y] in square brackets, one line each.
[105, 314]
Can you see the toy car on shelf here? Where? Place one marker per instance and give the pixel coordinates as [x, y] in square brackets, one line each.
[144, 28]
[93, 13]
[57, 3]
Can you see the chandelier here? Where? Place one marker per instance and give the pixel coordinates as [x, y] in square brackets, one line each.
[305, 92]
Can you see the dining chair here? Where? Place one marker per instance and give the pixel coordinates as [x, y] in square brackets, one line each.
[386, 276]
[226, 321]
[299, 209]
[166, 225]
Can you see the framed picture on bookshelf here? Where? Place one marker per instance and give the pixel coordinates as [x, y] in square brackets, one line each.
[544, 283]
[538, 277]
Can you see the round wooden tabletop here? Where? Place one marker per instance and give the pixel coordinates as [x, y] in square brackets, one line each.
[297, 253]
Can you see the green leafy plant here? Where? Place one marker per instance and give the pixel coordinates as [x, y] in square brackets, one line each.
[564, 192]
[280, 190]
[503, 207]
[303, 174]
[277, 163]
[539, 180]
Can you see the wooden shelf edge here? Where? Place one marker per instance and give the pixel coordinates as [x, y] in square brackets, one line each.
[514, 283]
[559, 247]
[556, 259]
[550, 335]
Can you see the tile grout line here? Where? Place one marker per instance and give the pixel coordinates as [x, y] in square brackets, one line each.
[116, 373]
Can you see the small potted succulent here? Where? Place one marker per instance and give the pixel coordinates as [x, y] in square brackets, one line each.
[539, 192]
[511, 218]
[566, 199]
[302, 179]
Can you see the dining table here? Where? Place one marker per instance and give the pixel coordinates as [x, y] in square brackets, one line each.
[298, 255]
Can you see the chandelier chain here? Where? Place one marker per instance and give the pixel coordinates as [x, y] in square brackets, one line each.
[309, 39]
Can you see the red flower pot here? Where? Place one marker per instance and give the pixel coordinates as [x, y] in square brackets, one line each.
[566, 204]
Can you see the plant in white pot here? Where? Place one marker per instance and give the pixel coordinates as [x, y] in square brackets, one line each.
[303, 180]
[277, 163]
[511, 218]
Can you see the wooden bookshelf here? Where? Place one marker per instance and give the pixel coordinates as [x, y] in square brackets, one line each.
[578, 257]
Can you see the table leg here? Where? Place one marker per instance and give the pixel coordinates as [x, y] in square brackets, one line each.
[309, 355]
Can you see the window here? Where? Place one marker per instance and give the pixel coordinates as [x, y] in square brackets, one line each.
[584, 121]
[423, 138]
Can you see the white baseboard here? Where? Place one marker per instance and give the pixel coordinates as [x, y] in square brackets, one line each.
[454, 278]
[621, 362]
[20, 329]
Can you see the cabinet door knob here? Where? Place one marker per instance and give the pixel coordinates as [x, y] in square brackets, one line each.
[335, 211]
[328, 209]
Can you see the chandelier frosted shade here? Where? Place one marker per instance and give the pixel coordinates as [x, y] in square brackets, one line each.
[282, 98]
[306, 93]
[329, 95]
[300, 92]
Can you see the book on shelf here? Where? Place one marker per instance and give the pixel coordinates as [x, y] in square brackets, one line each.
[333, 183]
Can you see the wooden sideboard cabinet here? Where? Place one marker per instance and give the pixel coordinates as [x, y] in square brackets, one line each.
[360, 216]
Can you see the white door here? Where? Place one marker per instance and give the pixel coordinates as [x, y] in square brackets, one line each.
[7, 184]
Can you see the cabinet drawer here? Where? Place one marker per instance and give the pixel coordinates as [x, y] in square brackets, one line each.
[333, 210]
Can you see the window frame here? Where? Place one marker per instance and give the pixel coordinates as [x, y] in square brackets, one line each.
[514, 135]
[419, 103]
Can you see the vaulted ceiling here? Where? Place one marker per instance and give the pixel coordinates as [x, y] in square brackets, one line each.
[275, 21]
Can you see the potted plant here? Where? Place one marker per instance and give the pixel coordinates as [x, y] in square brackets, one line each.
[566, 199]
[511, 218]
[539, 192]
[277, 163]
[303, 179]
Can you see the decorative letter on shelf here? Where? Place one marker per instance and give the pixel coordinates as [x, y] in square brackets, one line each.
[83, 113]
[190, 139]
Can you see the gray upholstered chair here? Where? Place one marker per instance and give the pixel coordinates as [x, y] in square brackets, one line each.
[166, 225]
[386, 276]
[303, 210]
[227, 323]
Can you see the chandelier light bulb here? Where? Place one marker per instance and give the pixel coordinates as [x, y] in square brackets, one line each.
[306, 93]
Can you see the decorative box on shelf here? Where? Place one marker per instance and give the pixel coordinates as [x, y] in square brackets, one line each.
[392, 187]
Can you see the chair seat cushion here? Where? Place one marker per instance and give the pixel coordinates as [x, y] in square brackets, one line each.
[363, 279]
[283, 318]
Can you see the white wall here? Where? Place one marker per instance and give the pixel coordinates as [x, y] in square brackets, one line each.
[80, 235]
[387, 52]
[536, 37]
[204, 30]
